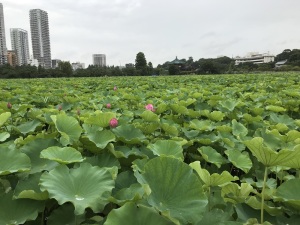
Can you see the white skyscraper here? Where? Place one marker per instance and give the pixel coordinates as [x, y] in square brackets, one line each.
[3, 49]
[19, 43]
[40, 37]
[99, 60]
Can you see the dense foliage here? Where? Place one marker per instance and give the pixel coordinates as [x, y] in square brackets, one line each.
[220, 65]
[222, 150]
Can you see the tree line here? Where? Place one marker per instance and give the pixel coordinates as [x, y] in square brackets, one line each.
[220, 65]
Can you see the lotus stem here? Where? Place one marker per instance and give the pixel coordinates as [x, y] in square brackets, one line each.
[263, 197]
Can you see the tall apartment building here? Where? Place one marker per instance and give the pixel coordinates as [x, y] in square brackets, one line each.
[40, 37]
[19, 44]
[3, 49]
[99, 59]
[12, 58]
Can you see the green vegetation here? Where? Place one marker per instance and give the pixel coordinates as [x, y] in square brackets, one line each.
[221, 149]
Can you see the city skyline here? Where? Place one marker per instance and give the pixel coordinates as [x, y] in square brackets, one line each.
[161, 30]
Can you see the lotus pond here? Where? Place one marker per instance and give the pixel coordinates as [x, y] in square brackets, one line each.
[200, 150]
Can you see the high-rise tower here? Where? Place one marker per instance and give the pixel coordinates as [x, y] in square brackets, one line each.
[99, 59]
[3, 49]
[40, 37]
[19, 43]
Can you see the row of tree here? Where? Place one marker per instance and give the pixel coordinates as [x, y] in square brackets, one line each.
[221, 65]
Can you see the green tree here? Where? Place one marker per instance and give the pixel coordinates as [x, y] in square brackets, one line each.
[141, 64]
[65, 68]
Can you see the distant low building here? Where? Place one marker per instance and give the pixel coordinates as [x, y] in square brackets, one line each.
[54, 63]
[78, 65]
[255, 58]
[12, 58]
[280, 63]
[33, 62]
[129, 65]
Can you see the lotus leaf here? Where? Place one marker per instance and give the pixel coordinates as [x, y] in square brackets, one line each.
[12, 160]
[211, 155]
[28, 126]
[29, 188]
[64, 155]
[214, 179]
[167, 148]
[84, 187]
[4, 136]
[68, 127]
[33, 150]
[239, 159]
[18, 211]
[175, 190]
[269, 157]
[129, 134]
[289, 193]
[137, 215]
[4, 117]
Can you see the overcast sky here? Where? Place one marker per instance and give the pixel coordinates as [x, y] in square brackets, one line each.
[161, 29]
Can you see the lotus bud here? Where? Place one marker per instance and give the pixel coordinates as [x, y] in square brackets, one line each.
[59, 108]
[115, 88]
[108, 105]
[9, 105]
[150, 107]
[113, 122]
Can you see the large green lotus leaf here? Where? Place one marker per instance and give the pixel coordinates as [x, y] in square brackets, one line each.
[133, 193]
[18, 211]
[217, 217]
[64, 155]
[214, 179]
[28, 126]
[180, 109]
[126, 152]
[292, 135]
[64, 215]
[289, 193]
[271, 139]
[149, 116]
[137, 215]
[175, 190]
[162, 107]
[12, 161]
[101, 138]
[100, 119]
[239, 159]
[269, 157]
[4, 136]
[33, 150]
[167, 148]
[238, 129]
[203, 125]
[211, 155]
[275, 108]
[68, 127]
[4, 117]
[103, 160]
[234, 193]
[285, 119]
[216, 116]
[229, 104]
[129, 134]
[169, 129]
[29, 188]
[85, 186]
[256, 204]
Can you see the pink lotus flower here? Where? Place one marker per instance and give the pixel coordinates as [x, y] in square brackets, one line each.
[150, 107]
[9, 105]
[115, 88]
[108, 105]
[113, 122]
